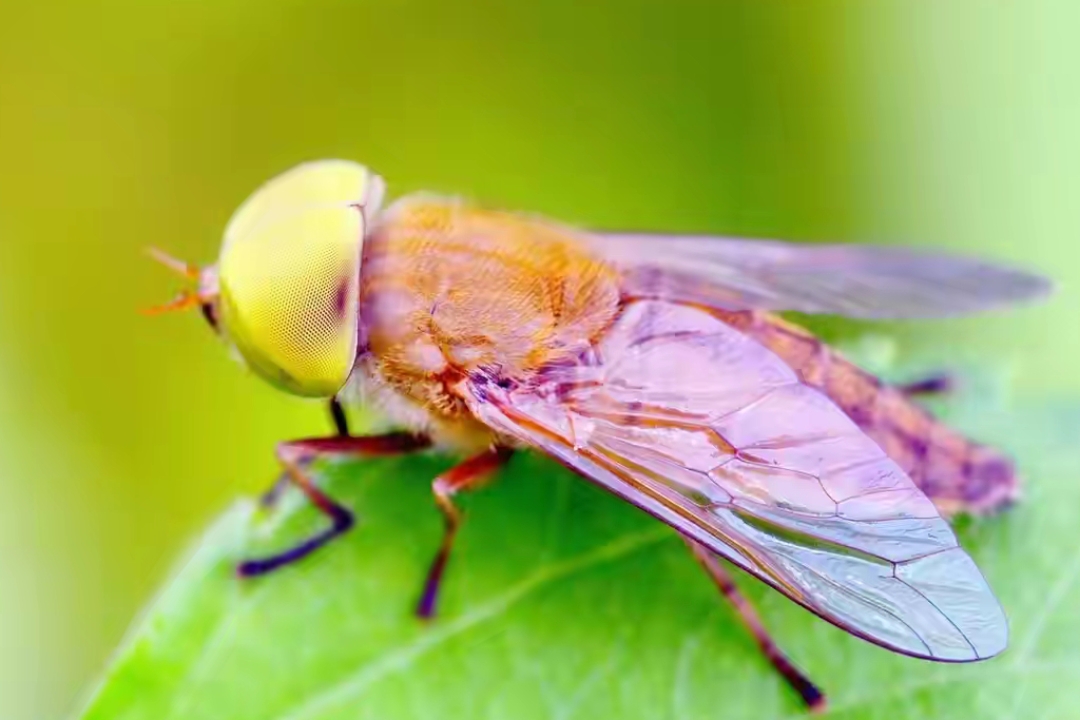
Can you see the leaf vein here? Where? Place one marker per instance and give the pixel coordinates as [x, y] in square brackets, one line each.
[398, 660]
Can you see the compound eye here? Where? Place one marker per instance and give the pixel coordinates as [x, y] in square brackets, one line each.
[289, 276]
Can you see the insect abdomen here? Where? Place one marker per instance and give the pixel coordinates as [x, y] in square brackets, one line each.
[958, 474]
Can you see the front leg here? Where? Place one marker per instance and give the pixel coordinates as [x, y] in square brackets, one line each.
[339, 418]
[341, 426]
[294, 456]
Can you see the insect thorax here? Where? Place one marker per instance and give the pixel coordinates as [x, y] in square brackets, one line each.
[450, 291]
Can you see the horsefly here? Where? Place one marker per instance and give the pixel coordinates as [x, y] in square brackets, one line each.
[653, 366]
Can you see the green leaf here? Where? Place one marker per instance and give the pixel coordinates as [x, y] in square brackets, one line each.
[562, 602]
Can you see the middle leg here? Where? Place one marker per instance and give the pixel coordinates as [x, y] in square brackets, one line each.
[467, 476]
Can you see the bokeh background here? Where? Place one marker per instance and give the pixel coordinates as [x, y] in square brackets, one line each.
[124, 123]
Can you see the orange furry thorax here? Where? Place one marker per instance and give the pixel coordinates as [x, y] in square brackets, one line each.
[449, 290]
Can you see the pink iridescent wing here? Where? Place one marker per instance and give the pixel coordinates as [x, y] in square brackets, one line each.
[709, 431]
[858, 281]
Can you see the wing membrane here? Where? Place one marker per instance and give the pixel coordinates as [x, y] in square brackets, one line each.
[857, 281]
[701, 426]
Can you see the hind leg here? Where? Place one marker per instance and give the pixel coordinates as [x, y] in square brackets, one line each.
[808, 691]
[938, 384]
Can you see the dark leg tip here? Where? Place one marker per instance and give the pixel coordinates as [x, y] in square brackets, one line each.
[425, 613]
[255, 568]
[813, 697]
[343, 520]
[933, 385]
[425, 609]
[269, 499]
[808, 691]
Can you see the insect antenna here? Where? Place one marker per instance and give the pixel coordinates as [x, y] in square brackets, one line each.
[184, 301]
[186, 270]
[201, 296]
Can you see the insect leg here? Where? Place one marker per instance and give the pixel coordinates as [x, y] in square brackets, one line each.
[811, 695]
[341, 421]
[341, 425]
[932, 385]
[466, 476]
[297, 454]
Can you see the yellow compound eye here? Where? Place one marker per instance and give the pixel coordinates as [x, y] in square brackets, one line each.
[289, 275]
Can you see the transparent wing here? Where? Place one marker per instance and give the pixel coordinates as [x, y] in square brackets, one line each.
[706, 429]
[858, 281]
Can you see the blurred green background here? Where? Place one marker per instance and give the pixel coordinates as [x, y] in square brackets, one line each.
[943, 124]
